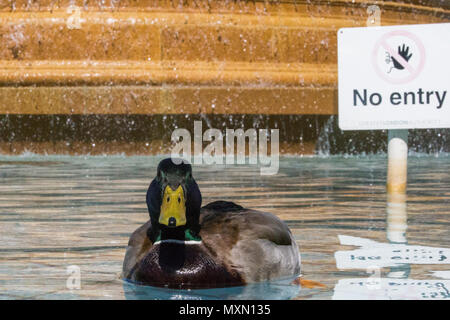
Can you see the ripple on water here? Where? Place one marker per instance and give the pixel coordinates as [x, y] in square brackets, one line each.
[62, 211]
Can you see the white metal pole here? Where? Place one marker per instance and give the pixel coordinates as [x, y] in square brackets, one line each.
[397, 218]
[397, 161]
[396, 194]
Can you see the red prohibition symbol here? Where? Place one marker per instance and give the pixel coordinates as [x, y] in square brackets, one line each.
[400, 57]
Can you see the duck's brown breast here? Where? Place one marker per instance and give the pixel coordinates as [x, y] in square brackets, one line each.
[181, 265]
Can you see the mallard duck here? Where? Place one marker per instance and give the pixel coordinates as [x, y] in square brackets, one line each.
[222, 244]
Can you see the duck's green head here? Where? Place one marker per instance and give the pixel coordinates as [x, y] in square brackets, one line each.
[173, 198]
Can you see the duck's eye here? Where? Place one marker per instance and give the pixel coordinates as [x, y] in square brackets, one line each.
[168, 199]
[179, 199]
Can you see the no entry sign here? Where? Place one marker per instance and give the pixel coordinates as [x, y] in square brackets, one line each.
[395, 77]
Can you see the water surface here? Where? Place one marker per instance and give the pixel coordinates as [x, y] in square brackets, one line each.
[60, 214]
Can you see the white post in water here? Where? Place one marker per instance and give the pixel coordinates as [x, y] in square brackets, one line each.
[397, 161]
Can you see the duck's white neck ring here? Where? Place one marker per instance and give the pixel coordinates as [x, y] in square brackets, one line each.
[189, 242]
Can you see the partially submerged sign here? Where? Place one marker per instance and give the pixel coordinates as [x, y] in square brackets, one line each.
[373, 253]
[395, 77]
[391, 289]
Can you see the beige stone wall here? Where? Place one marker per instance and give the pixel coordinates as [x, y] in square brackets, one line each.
[180, 57]
[116, 76]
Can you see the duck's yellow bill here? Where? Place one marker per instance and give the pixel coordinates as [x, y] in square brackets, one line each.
[173, 208]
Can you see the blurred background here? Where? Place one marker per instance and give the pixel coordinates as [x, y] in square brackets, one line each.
[118, 76]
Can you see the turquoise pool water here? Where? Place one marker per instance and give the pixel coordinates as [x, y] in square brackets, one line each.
[64, 219]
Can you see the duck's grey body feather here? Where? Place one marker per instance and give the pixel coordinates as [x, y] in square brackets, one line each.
[256, 244]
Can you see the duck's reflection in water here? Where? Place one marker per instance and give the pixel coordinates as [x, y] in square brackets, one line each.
[273, 290]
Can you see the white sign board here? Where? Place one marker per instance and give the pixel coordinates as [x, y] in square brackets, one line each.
[391, 289]
[395, 77]
[373, 253]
